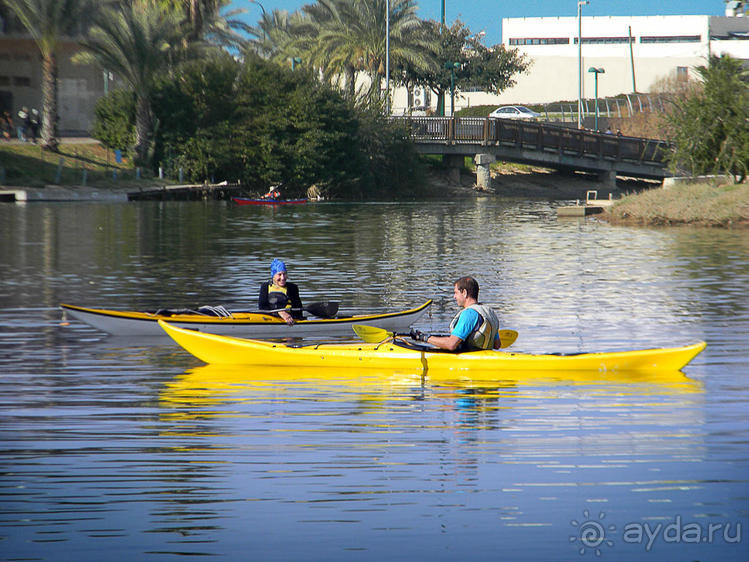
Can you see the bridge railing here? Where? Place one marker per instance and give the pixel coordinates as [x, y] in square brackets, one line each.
[534, 136]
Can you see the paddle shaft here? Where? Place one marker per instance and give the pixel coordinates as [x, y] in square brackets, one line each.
[506, 337]
[372, 334]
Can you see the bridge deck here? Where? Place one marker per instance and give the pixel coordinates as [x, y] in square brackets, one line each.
[543, 144]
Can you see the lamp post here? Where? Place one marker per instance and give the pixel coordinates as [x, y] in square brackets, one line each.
[442, 95]
[580, 5]
[387, 58]
[295, 61]
[596, 72]
[452, 66]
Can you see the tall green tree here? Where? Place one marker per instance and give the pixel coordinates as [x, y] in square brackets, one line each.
[48, 21]
[260, 122]
[710, 126]
[488, 68]
[135, 40]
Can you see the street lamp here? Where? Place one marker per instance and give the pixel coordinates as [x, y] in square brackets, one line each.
[295, 61]
[387, 58]
[442, 94]
[596, 71]
[452, 66]
[580, 5]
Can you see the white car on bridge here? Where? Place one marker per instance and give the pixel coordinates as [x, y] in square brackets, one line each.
[515, 112]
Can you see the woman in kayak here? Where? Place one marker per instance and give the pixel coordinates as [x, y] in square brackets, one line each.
[279, 293]
[476, 326]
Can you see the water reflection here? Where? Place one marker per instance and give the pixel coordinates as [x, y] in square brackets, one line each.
[217, 384]
[114, 449]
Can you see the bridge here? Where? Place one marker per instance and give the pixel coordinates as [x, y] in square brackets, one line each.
[539, 144]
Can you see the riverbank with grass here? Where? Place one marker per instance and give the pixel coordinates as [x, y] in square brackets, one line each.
[696, 204]
[78, 162]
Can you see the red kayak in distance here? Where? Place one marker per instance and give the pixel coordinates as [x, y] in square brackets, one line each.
[248, 201]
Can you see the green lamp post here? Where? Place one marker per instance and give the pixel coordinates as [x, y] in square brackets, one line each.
[596, 72]
[452, 66]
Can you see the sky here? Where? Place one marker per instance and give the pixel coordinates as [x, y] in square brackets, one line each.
[486, 15]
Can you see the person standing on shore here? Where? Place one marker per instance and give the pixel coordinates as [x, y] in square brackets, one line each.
[6, 125]
[34, 122]
[23, 118]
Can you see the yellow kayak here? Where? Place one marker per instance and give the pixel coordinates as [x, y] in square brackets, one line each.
[397, 354]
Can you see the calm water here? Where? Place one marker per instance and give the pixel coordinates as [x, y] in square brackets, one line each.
[113, 449]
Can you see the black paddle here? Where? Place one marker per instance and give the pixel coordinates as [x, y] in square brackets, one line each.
[325, 309]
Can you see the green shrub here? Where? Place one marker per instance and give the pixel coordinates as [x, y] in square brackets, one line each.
[261, 123]
[114, 120]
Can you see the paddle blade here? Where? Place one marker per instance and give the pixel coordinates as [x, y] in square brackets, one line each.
[322, 309]
[507, 338]
[371, 334]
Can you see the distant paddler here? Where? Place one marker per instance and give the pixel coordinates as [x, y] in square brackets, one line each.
[273, 193]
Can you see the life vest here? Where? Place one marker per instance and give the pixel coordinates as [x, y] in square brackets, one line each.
[482, 336]
[278, 297]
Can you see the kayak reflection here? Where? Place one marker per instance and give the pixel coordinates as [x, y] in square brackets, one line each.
[218, 384]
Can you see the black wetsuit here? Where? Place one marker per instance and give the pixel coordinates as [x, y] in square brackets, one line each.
[275, 300]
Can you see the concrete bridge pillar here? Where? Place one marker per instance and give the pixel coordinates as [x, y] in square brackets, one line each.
[483, 171]
[454, 163]
[608, 179]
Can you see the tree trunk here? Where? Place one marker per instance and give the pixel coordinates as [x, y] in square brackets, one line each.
[49, 102]
[350, 81]
[142, 128]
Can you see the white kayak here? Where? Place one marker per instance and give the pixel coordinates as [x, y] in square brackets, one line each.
[243, 324]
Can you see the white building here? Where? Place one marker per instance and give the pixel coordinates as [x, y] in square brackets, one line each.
[634, 51]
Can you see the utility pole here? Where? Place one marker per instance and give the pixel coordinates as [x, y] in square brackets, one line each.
[442, 94]
[580, 5]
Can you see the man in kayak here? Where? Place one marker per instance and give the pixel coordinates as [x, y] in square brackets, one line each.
[476, 326]
[273, 193]
[280, 295]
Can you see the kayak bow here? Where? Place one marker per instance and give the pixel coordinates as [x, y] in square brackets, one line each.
[397, 354]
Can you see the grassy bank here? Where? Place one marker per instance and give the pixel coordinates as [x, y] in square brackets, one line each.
[698, 204]
[27, 165]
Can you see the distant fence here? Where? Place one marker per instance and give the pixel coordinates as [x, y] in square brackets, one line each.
[623, 106]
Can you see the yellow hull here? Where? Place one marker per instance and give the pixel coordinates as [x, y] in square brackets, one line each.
[389, 355]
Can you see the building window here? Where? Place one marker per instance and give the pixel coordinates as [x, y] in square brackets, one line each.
[603, 40]
[22, 81]
[682, 73]
[539, 41]
[671, 39]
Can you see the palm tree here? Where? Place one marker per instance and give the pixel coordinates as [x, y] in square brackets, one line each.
[135, 40]
[48, 21]
[347, 37]
[207, 21]
[275, 32]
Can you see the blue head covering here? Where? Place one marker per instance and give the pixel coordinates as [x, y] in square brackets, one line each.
[277, 266]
